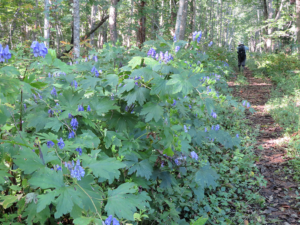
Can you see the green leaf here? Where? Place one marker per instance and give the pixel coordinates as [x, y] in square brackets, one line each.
[112, 80]
[64, 203]
[129, 85]
[200, 221]
[168, 151]
[45, 200]
[206, 176]
[180, 83]
[38, 85]
[4, 114]
[142, 169]
[152, 111]
[37, 120]
[28, 161]
[10, 71]
[54, 124]
[83, 221]
[103, 105]
[8, 200]
[89, 82]
[46, 178]
[106, 168]
[146, 72]
[139, 94]
[159, 87]
[88, 139]
[167, 180]
[124, 201]
[69, 100]
[135, 61]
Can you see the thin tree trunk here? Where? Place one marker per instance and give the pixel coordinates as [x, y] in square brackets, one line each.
[129, 32]
[113, 21]
[179, 18]
[46, 23]
[298, 25]
[221, 22]
[93, 12]
[141, 33]
[76, 25]
[183, 21]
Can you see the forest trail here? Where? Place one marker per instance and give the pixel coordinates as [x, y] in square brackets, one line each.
[280, 192]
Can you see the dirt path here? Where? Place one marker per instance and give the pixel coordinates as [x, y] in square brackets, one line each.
[280, 193]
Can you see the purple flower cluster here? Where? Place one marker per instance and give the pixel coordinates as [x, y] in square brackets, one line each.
[95, 71]
[71, 135]
[111, 219]
[151, 53]
[174, 102]
[74, 123]
[79, 150]
[177, 48]
[76, 170]
[174, 38]
[56, 167]
[213, 114]
[74, 82]
[53, 92]
[88, 108]
[199, 34]
[61, 143]
[39, 49]
[194, 155]
[179, 160]
[50, 144]
[210, 44]
[5, 54]
[80, 108]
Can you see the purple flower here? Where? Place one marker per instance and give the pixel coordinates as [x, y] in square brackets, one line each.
[237, 135]
[212, 127]
[78, 171]
[108, 220]
[174, 38]
[174, 102]
[95, 58]
[80, 108]
[79, 150]
[74, 123]
[115, 221]
[53, 92]
[25, 106]
[210, 44]
[151, 53]
[70, 116]
[85, 59]
[244, 103]
[6, 53]
[248, 105]
[162, 164]
[71, 135]
[61, 143]
[185, 129]
[35, 48]
[50, 144]
[88, 108]
[75, 84]
[190, 106]
[194, 155]
[217, 127]
[156, 56]
[57, 167]
[213, 114]
[177, 162]
[177, 48]
[205, 129]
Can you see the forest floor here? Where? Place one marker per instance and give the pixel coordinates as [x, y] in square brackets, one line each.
[280, 192]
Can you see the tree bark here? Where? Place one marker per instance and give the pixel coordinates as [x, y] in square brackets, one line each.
[298, 25]
[46, 23]
[113, 21]
[141, 33]
[76, 25]
[183, 23]
[179, 18]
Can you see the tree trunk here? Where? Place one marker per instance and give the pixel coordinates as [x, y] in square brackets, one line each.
[179, 18]
[129, 32]
[298, 24]
[141, 33]
[221, 22]
[93, 13]
[173, 16]
[76, 25]
[113, 21]
[46, 24]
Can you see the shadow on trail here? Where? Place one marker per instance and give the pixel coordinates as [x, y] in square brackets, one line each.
[280, 192]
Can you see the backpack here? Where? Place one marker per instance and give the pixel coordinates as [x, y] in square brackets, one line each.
[241, 53]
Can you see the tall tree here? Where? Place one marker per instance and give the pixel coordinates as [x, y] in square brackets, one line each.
[298, 24]
[141, 33]
[76, 25]
[46, 23]
[181, 20]
[113, 21]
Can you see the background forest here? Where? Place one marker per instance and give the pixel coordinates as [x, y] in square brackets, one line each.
[122, 112]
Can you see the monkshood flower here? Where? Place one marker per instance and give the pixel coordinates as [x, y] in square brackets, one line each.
[88, 108]
[95, 71]
[74, 123]
[40, 96]
[212, 127]
[50, 111]
[70, 116]
[61, 143]
[85, 59]
[74, 82]
[5, 54]
[115, 222]
[205, 129]
[199, 37]
[190, 106]
[174, 102]
[194, 155]
[185, 129]
[248, 105]
[217, 127]
[177, 162]
[39, 49]
[77, 172]
[71, 135]
[108, 220]
[156, 56]
[25, 106]
[213, 114]
[56, 167]
[244, 103]
[210, 44]
[194, 35]
[151, 53]
[237, 135]
[177, 48]
[53, 92]
[95, 58]
[50, 144]
[79, 150]
[80, 108]
[174, 38]
[161, 54]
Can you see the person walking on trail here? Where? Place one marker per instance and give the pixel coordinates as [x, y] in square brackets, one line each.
[241, 50]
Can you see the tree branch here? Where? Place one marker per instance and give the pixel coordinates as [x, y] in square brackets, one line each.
[87, 35]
